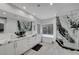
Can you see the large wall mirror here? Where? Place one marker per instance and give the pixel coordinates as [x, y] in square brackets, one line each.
[23, 27]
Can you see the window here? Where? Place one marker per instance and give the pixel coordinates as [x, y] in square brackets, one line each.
[48, 29]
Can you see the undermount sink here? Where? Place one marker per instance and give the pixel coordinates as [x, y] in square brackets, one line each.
[3, 41]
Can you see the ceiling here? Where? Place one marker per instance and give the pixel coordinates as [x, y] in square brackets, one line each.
[40, 10]
[10, 12]
[45, 10]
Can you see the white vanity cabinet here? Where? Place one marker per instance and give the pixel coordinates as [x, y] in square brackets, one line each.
[38, 40]
[2, 50]
[7, 49]
[25, 44]
[21, 46]
[32, 41]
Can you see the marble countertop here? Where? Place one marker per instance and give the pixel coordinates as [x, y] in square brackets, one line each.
[8, 38]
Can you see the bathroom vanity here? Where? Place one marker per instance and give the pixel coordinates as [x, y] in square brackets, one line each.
[19, 45]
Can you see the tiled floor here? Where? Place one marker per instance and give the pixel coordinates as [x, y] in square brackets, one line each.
[51, 49]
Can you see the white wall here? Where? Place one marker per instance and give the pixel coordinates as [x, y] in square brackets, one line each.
[6, 7]
[34, 27]
[11, 26]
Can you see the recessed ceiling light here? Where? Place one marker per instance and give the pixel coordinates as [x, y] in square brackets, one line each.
[4, 13]
[24, 7]
[51, 4]
[31, 16]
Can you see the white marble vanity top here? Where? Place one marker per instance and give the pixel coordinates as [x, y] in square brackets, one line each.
[5, 37]
[9, 37]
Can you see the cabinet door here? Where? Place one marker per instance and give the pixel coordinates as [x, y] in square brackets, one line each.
[2, 50]
[25, 44]
[10, 50]
[7, 49]
[38, 39]
[33, 41]
[21, 46]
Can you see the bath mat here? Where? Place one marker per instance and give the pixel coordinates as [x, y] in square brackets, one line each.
[37, 47]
